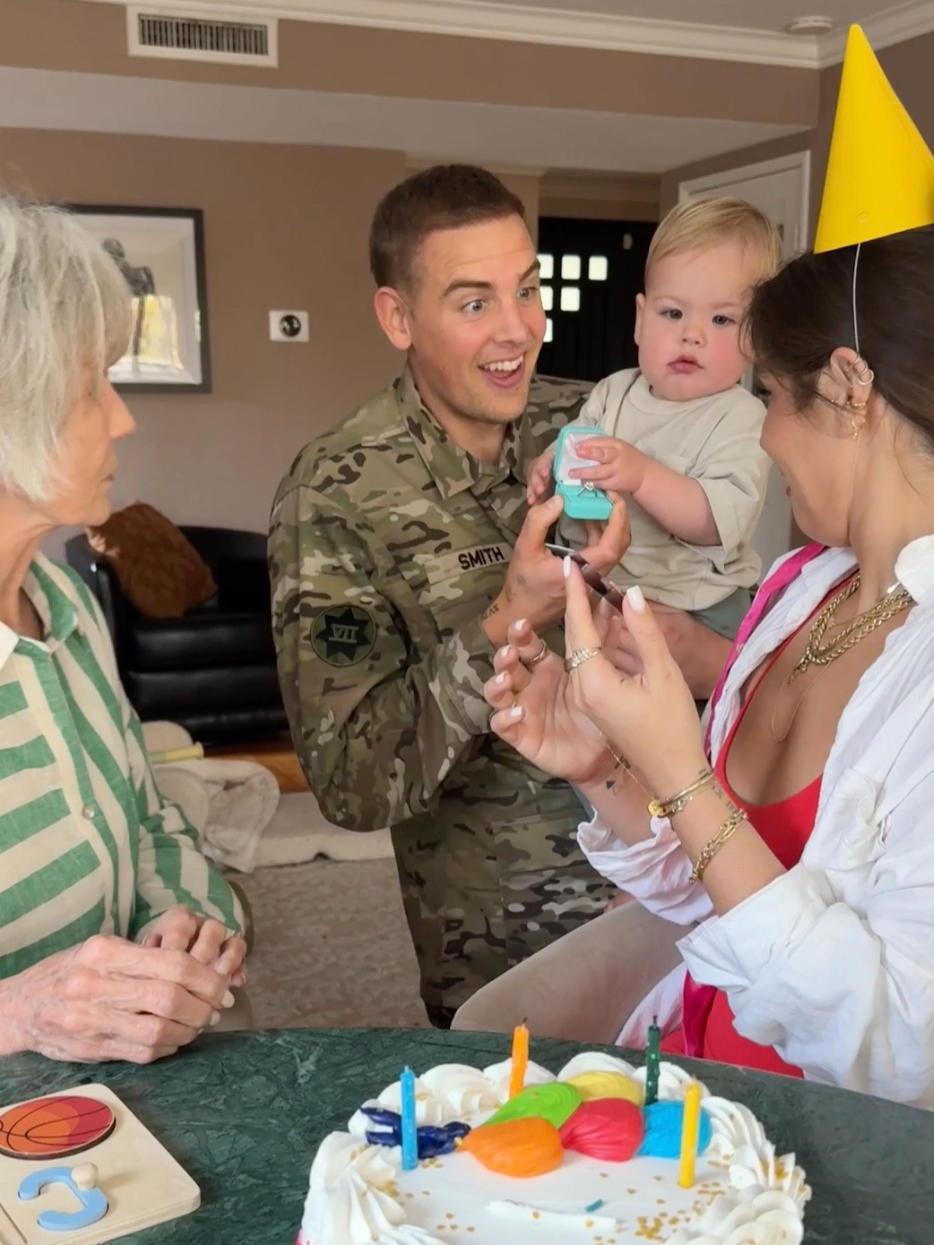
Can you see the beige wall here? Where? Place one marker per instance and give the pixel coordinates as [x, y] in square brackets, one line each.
[600, 196]
[284, 227]
[91, 38]
[907, 66]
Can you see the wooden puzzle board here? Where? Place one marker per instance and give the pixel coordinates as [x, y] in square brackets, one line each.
[143, 1184]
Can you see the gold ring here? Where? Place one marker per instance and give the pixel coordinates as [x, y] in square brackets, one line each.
[533, 661]
[579, 657]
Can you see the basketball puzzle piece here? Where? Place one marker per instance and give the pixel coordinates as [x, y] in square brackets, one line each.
[54, 1127]
[92, 1205]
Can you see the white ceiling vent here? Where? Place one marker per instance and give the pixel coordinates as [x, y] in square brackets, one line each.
[201, 37]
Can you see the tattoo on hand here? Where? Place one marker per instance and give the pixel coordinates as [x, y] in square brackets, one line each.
[491, 609]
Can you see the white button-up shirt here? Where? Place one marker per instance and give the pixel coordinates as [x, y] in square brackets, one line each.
[832, 964]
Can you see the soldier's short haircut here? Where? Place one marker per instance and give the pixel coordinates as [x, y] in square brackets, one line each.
[446, 196]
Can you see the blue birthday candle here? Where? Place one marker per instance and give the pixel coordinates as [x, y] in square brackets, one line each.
[409, 1130]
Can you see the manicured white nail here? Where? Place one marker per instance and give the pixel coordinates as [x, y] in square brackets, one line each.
[500, 679]
[503, 652]
[228, 999]
[635, 598]
[515, 712]
[215, 1019]
[566, 566]
[520, 624]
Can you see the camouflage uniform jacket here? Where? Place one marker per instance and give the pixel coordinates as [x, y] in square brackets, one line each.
[387, 543]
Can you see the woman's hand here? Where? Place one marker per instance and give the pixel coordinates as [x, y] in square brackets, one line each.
[536, 712]
[107, 998]
[180, 929]
[650, 718]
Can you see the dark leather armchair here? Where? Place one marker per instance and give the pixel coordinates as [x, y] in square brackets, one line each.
[213, 671]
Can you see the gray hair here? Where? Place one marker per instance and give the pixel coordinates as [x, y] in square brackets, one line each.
[64, 312]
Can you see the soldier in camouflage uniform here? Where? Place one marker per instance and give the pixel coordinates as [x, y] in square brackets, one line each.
[400, 550]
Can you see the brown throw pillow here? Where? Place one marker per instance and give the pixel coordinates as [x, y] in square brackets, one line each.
[159, 569]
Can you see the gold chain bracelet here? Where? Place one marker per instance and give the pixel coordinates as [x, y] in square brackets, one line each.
[677, 803]
[723, 835]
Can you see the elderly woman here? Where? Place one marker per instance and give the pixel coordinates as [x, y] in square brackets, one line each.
[118, 940]
[799, 834]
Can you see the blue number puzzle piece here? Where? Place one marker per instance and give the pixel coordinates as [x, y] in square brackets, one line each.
[93, 1203]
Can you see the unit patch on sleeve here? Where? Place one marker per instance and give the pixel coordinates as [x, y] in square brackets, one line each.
[343, 635]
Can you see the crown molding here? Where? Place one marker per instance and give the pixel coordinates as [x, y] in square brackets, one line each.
[896, 25]
[483, 19]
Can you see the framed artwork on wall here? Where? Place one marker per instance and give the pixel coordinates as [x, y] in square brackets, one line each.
[160, 252]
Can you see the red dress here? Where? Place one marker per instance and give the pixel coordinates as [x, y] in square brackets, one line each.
[707, 1028]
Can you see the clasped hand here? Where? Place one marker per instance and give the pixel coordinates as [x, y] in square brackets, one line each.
[108, 998]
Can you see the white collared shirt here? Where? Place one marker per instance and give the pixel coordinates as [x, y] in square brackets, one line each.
[832, 964]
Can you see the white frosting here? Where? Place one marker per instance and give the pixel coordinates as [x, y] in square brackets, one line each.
[522, 1212]
[355, 1198]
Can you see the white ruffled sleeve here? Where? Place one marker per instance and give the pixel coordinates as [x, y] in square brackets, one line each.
[656, 870]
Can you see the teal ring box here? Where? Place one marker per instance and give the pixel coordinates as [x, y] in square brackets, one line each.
[581, 500]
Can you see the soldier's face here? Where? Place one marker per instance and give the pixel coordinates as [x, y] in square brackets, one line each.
[475, 321]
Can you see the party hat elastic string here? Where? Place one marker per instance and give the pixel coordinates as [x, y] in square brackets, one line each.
[855, 320]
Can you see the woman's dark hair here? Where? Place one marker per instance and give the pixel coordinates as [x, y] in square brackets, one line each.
[802, 314]
[446, 196]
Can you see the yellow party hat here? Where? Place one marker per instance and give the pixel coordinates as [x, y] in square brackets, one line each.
[880, 172]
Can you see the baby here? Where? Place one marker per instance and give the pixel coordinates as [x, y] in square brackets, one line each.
[679, 434]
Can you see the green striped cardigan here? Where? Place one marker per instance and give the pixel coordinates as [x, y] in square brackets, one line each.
[87, 843]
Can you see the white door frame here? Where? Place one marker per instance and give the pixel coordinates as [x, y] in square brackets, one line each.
[797, 160]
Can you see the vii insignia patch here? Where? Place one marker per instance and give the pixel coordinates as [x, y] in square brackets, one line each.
[342, 635]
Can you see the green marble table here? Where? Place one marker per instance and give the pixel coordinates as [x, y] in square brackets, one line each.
[244, 1113]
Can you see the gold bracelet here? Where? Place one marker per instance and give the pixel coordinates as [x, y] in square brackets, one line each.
[677, 803]
[723, 835]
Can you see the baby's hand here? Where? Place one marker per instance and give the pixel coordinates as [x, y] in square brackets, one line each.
[539, 479]
[618, 466]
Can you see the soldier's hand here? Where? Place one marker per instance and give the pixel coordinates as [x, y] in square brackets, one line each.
[540, 482]
[534, 588]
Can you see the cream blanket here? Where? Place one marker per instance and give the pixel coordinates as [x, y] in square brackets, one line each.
[242, 821]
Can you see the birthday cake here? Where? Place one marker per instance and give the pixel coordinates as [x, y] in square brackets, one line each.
[573, 1159]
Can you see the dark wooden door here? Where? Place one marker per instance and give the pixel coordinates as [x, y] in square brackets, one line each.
[592, 271]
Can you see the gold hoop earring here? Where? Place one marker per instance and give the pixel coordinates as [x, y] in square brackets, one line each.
[857, 406]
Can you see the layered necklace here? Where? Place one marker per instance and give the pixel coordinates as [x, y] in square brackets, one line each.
[821, 652]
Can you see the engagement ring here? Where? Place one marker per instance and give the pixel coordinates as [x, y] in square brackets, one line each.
[533, 661]
[579, 657]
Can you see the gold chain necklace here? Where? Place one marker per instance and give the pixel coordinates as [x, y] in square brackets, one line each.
[821, 655]
[817, 653]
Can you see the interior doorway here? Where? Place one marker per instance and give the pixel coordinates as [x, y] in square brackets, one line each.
[781, 189]
[591, 272]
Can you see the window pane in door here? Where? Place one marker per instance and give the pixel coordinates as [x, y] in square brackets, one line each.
[570, 267]
[597, 268]
[549, 330]
[548, 297]
[546, 267]
[570, 298]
